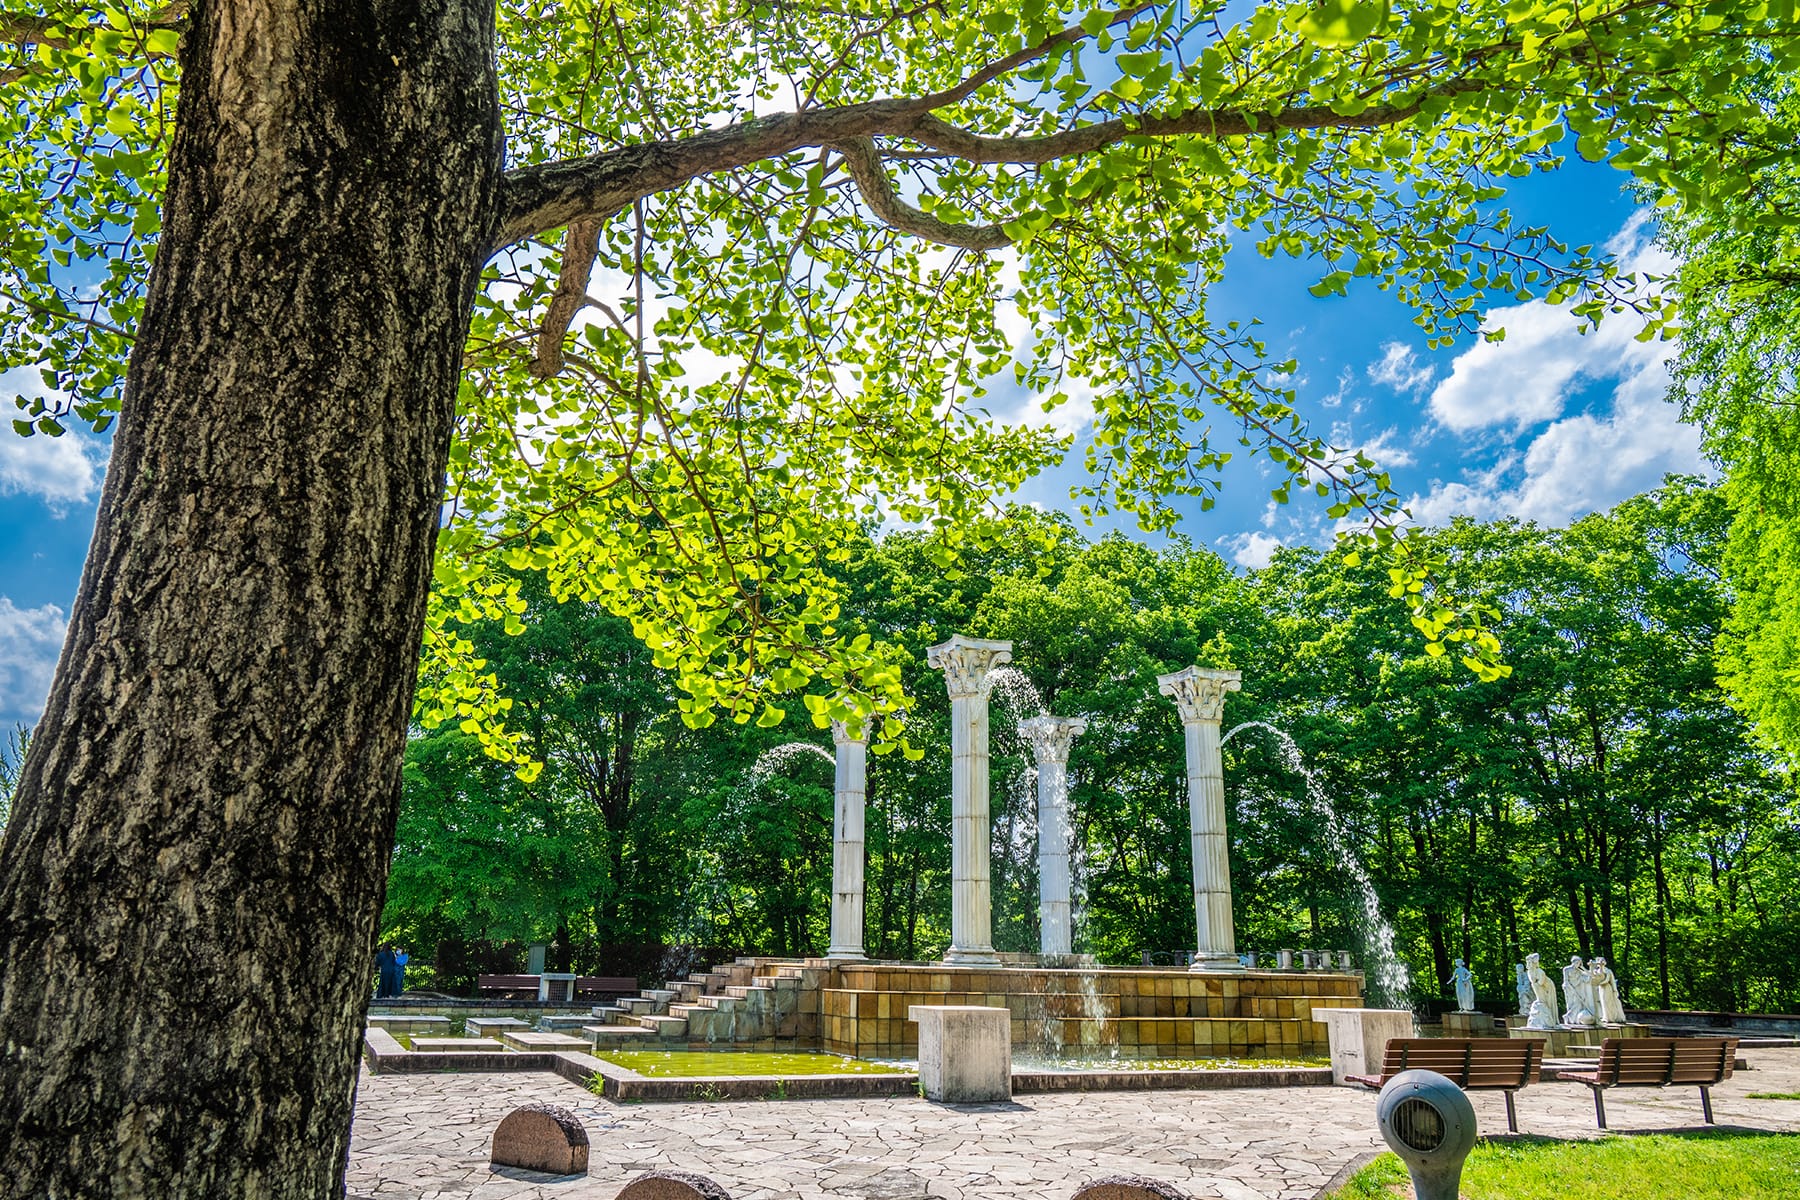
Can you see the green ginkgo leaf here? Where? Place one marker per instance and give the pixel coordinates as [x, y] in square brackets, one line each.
[1343, 22]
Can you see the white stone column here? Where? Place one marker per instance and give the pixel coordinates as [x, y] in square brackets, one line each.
[1050, 738]
[1200, 695]
[965, 663]
[847, 844]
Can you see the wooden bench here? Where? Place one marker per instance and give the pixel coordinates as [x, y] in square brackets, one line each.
[1659, 1062]
[1473, 1064]
[606, 985]
[508, 985]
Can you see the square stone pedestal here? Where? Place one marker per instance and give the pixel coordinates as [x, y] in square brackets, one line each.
[1470, 1024]
[965, 1053]
[556, 986]
[1359, 1037]
[1569, 1043]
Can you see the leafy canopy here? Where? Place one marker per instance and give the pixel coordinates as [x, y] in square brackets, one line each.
[717, 340]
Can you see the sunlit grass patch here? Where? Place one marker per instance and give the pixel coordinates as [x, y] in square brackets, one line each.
[1705, 1166]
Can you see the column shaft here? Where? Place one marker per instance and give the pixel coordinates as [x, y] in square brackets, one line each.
[971, 903]
[1199, 694]
[1216, 935]
[847, 847]
[966, 663]
[1056, 920]
[1050, 739]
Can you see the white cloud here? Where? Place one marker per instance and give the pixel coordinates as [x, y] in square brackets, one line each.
[1385, 448]
[1576, 463]
[63, 471]
[1528, 377]
[1401, 369]
[1344, 381]
[1579, 464]
[1252, 550]
[30, 640]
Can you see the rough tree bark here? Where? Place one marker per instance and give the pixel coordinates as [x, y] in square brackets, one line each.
[190, 881]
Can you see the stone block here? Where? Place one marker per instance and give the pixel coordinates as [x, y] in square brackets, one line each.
[541, 1137]
[672, 1185]
[457, 1045]
[1129, 1187]
[1359, 1037]
[531, 1039]
[965, 1053]
[1469, 1024]
[490, 1026]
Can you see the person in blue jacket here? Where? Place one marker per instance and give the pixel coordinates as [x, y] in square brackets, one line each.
[384, 973]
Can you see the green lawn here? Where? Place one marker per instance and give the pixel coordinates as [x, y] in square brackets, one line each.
[1707, 1166]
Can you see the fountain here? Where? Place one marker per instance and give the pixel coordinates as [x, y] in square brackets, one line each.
[1056, 1002]
[1392, 985]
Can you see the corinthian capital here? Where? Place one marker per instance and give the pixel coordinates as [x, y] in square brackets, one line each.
[1199, 692]
[1050, 737]
[966, 662]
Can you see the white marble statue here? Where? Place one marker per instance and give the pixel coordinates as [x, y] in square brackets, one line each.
[1465, 987]
[1578, 1001]
[1604, 987]
[1543, 996]
[1522, 985]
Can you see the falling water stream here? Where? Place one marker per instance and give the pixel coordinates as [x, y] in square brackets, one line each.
[1391, 986]
[780, 757]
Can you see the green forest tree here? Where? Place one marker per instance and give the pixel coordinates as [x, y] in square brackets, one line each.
[323, 260]
[1603, 798]
[1738, 375]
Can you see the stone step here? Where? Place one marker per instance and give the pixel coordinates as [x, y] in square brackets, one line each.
[564, 1022]
[748, 992]
[531, 1039]
[664, 1026]
[722, 1004]
[492, 1026]
[663, 994]
[618, 1036]
[684, 1011]
[613, 1014]
[690, 991]
[644, 1006]
[475, 1045]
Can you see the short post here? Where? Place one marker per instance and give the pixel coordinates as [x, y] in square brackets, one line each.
[965, 1052]
[1428, 1122]
[965, 663]
[1050, 739]
[1199, 694]
[1358, 1037]
[847, 844]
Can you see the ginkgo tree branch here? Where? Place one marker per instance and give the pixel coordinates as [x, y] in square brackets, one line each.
[547, 196]
[863, 160]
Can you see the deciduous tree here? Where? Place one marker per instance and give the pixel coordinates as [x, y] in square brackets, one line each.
[803, 207]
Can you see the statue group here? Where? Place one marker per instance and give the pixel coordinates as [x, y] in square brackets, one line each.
[1590, 995]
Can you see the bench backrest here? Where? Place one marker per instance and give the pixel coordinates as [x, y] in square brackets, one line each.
[511, 983]
[606, 983]
[1468, 1062]
[1639, 1061]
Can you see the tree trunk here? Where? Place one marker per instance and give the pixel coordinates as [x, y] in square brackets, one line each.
[190, 882]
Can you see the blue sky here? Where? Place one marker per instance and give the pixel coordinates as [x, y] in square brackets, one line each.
[1546, 425]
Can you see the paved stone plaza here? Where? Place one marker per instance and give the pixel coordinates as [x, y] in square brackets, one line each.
[427, 1136]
